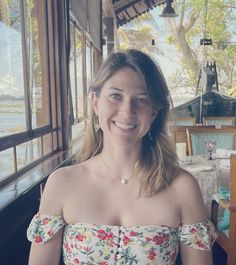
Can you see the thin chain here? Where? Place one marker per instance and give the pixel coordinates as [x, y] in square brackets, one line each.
[122, 180]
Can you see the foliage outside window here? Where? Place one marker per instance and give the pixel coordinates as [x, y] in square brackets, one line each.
[81, 72]
[177, 43]
[76, 72]
[26, 133]
[89, 63]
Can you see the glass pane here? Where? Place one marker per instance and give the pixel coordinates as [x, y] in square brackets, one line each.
[72, 70]
[79, 74]
[28, 152]
[37, 62]
[6, 163]
[47, 144]
[88, 64]
[55, 141]
[12, 110]
[77, 135]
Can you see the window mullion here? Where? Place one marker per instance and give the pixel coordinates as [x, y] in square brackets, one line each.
[48, 62]
[75, 72]
[50, 94]
[26, 70]
[84, 72]
[14, 159]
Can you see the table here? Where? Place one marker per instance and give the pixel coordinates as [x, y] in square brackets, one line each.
[209, 175]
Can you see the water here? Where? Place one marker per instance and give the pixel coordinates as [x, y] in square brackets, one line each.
[12, 121]
[12, 117]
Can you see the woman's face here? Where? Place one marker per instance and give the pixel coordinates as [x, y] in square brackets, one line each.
[123, 107]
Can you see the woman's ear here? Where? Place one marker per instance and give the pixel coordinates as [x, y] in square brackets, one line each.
[95, 102]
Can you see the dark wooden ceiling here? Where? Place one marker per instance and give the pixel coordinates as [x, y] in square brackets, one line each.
[126, 10]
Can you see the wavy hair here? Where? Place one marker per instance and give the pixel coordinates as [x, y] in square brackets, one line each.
[158, 164]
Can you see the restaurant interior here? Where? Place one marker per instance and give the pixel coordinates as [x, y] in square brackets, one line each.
[203, 129]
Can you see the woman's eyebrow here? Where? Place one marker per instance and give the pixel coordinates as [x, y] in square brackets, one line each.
[121, 90]
[115, 88]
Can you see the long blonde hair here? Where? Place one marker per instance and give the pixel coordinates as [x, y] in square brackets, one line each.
[158, 163]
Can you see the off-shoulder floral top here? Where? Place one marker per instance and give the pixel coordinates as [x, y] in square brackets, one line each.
[97, 244]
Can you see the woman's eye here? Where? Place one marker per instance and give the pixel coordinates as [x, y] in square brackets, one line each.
[115, 96]
[142, 101]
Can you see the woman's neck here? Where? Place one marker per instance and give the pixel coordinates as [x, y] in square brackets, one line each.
[120, 161]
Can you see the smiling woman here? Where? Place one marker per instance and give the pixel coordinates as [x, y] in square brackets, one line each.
[123, 107]
[126, 200]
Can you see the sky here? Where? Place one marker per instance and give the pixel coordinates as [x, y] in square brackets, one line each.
[170, 62]
[11, 69]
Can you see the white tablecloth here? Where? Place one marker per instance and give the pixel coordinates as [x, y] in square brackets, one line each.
[209, 175]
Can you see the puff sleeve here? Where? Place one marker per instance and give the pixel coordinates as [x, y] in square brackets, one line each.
[43, 227]
[198, 235]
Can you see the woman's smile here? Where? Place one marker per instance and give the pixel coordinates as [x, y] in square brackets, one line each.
[123, 107]
[124, 126]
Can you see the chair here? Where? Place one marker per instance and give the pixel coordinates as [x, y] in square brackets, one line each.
[180, 136]
[180, 133]
[224, 137]
[219, 121]
[185, 121]
[227, 240]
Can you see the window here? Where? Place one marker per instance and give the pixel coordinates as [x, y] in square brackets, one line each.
[81, 66]
[36, 64]
[76, 72]
[12, 98]
[89, 63]
[35, 115]
[27, 128]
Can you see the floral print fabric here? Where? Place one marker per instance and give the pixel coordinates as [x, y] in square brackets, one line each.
[92, 244]
[198, 235]
[105, 245]
[44, 227]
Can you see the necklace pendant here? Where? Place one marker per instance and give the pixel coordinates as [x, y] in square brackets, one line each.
[123, 181]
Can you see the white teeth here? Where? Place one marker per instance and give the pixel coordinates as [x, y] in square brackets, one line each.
[124, 126]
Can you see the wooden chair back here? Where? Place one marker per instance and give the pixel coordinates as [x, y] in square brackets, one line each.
[219, 121]
[185, 121]
[225, 137]
[180, 134]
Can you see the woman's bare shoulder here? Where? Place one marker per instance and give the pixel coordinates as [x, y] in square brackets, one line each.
[59, 184]
[188, 195]
[64, 174]
[185, 186]
[184, 180]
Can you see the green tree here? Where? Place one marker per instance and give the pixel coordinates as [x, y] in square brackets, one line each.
[215, 19]
[205, 19]
[139, 35]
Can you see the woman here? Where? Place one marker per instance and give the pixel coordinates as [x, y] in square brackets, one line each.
[127, 201]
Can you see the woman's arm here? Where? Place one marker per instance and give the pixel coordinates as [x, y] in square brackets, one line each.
[48, 253]
[51, 204]
[193, 211]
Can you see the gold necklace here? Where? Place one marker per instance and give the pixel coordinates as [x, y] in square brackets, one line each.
[122, 180]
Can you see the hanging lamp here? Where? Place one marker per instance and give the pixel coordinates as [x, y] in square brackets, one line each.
[168, 10]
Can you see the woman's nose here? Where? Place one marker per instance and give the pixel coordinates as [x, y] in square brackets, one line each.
[127, 107]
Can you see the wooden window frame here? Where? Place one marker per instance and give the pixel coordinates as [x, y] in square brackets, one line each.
[13, 140]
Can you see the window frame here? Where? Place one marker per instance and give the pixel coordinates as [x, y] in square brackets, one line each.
[57, 57]
[11, 141]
